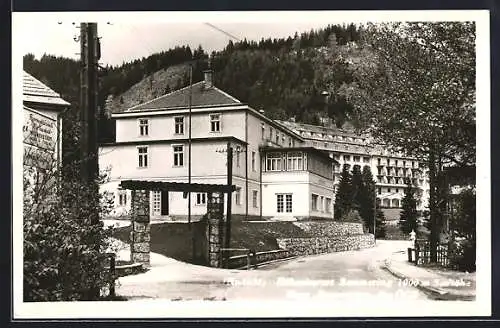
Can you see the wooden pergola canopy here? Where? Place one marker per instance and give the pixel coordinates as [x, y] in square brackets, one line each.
[175, 186]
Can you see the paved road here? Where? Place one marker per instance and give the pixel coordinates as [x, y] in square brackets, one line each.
[352, 275]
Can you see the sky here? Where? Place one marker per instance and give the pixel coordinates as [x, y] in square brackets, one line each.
[123, 41]
[126, 36]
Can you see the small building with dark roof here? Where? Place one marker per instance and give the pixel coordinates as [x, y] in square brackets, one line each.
[42, 107]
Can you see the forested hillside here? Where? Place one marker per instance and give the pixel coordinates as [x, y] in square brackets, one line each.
[285, 77]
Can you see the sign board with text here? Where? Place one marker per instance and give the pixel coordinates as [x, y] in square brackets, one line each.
[40, 137]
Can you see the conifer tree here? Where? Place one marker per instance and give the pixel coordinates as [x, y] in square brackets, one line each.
[409, 214]
[367, 198]
[343, 197]
[380, 230]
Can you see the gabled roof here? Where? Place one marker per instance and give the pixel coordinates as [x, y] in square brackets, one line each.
[36, 92]
[201, 97]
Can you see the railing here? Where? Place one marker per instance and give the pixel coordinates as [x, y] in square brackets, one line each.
[249, 253]
[423, 253]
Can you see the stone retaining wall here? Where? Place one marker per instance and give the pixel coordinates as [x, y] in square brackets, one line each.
[319, 245]
[330, 228]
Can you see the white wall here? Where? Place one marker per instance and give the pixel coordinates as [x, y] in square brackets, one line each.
[162, 127]
[296, 183]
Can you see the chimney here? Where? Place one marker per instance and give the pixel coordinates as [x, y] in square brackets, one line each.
[208, 83]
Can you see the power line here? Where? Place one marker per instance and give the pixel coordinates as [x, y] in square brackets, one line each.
[222, 31]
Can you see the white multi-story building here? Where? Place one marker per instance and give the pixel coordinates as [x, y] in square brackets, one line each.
[275, 174]
[281, 169]
[389, 170]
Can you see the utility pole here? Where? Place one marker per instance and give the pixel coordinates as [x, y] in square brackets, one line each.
[89, 43]
[229, 199]
[89, 167]
[189, 157]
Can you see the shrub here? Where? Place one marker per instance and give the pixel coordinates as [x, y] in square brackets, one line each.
[463, 255]
[352, 216]
[64, 245]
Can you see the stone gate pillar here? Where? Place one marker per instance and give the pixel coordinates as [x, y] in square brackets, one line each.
[215, 213]
[140, 234]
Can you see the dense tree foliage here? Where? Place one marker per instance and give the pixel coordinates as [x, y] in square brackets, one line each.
[418, 96]
[380, 227]
[409, 214]
[282, 76]
[343, 196]
[64, 243]
[367, 198]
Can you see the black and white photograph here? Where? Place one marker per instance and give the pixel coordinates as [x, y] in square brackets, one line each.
[251, 164]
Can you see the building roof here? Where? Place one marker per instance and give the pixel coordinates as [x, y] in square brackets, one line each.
[175, 186]
[320, 129]
[36, 92]
[201, 97]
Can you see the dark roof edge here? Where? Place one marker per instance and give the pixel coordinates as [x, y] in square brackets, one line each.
[172, 141]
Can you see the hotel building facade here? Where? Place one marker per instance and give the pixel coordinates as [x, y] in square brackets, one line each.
[282, 170]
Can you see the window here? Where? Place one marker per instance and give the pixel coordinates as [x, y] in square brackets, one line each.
[253, 161]
[179, 125]
[404, 163]
[122, 198]
[290, 142]
[379, 191]
[237, 196]
[378, 161]
[255, 195]
[326, 144]
[274, 162]
[397, 190]
[294, 161]
[201, 198]
[322, 204]
[270, 133]
[143, 156]
[314, 202]
[366, 159]
[396, 163]
[280, 203]
[178, 155]
[215, 122]
[277, 137]
[263, 127]
[347, 157]
[143, 127]
[357, 159]
[388, 189]
[288, 203]
[283, 140]
[328, 205]
[284, 203]
[156, 202]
